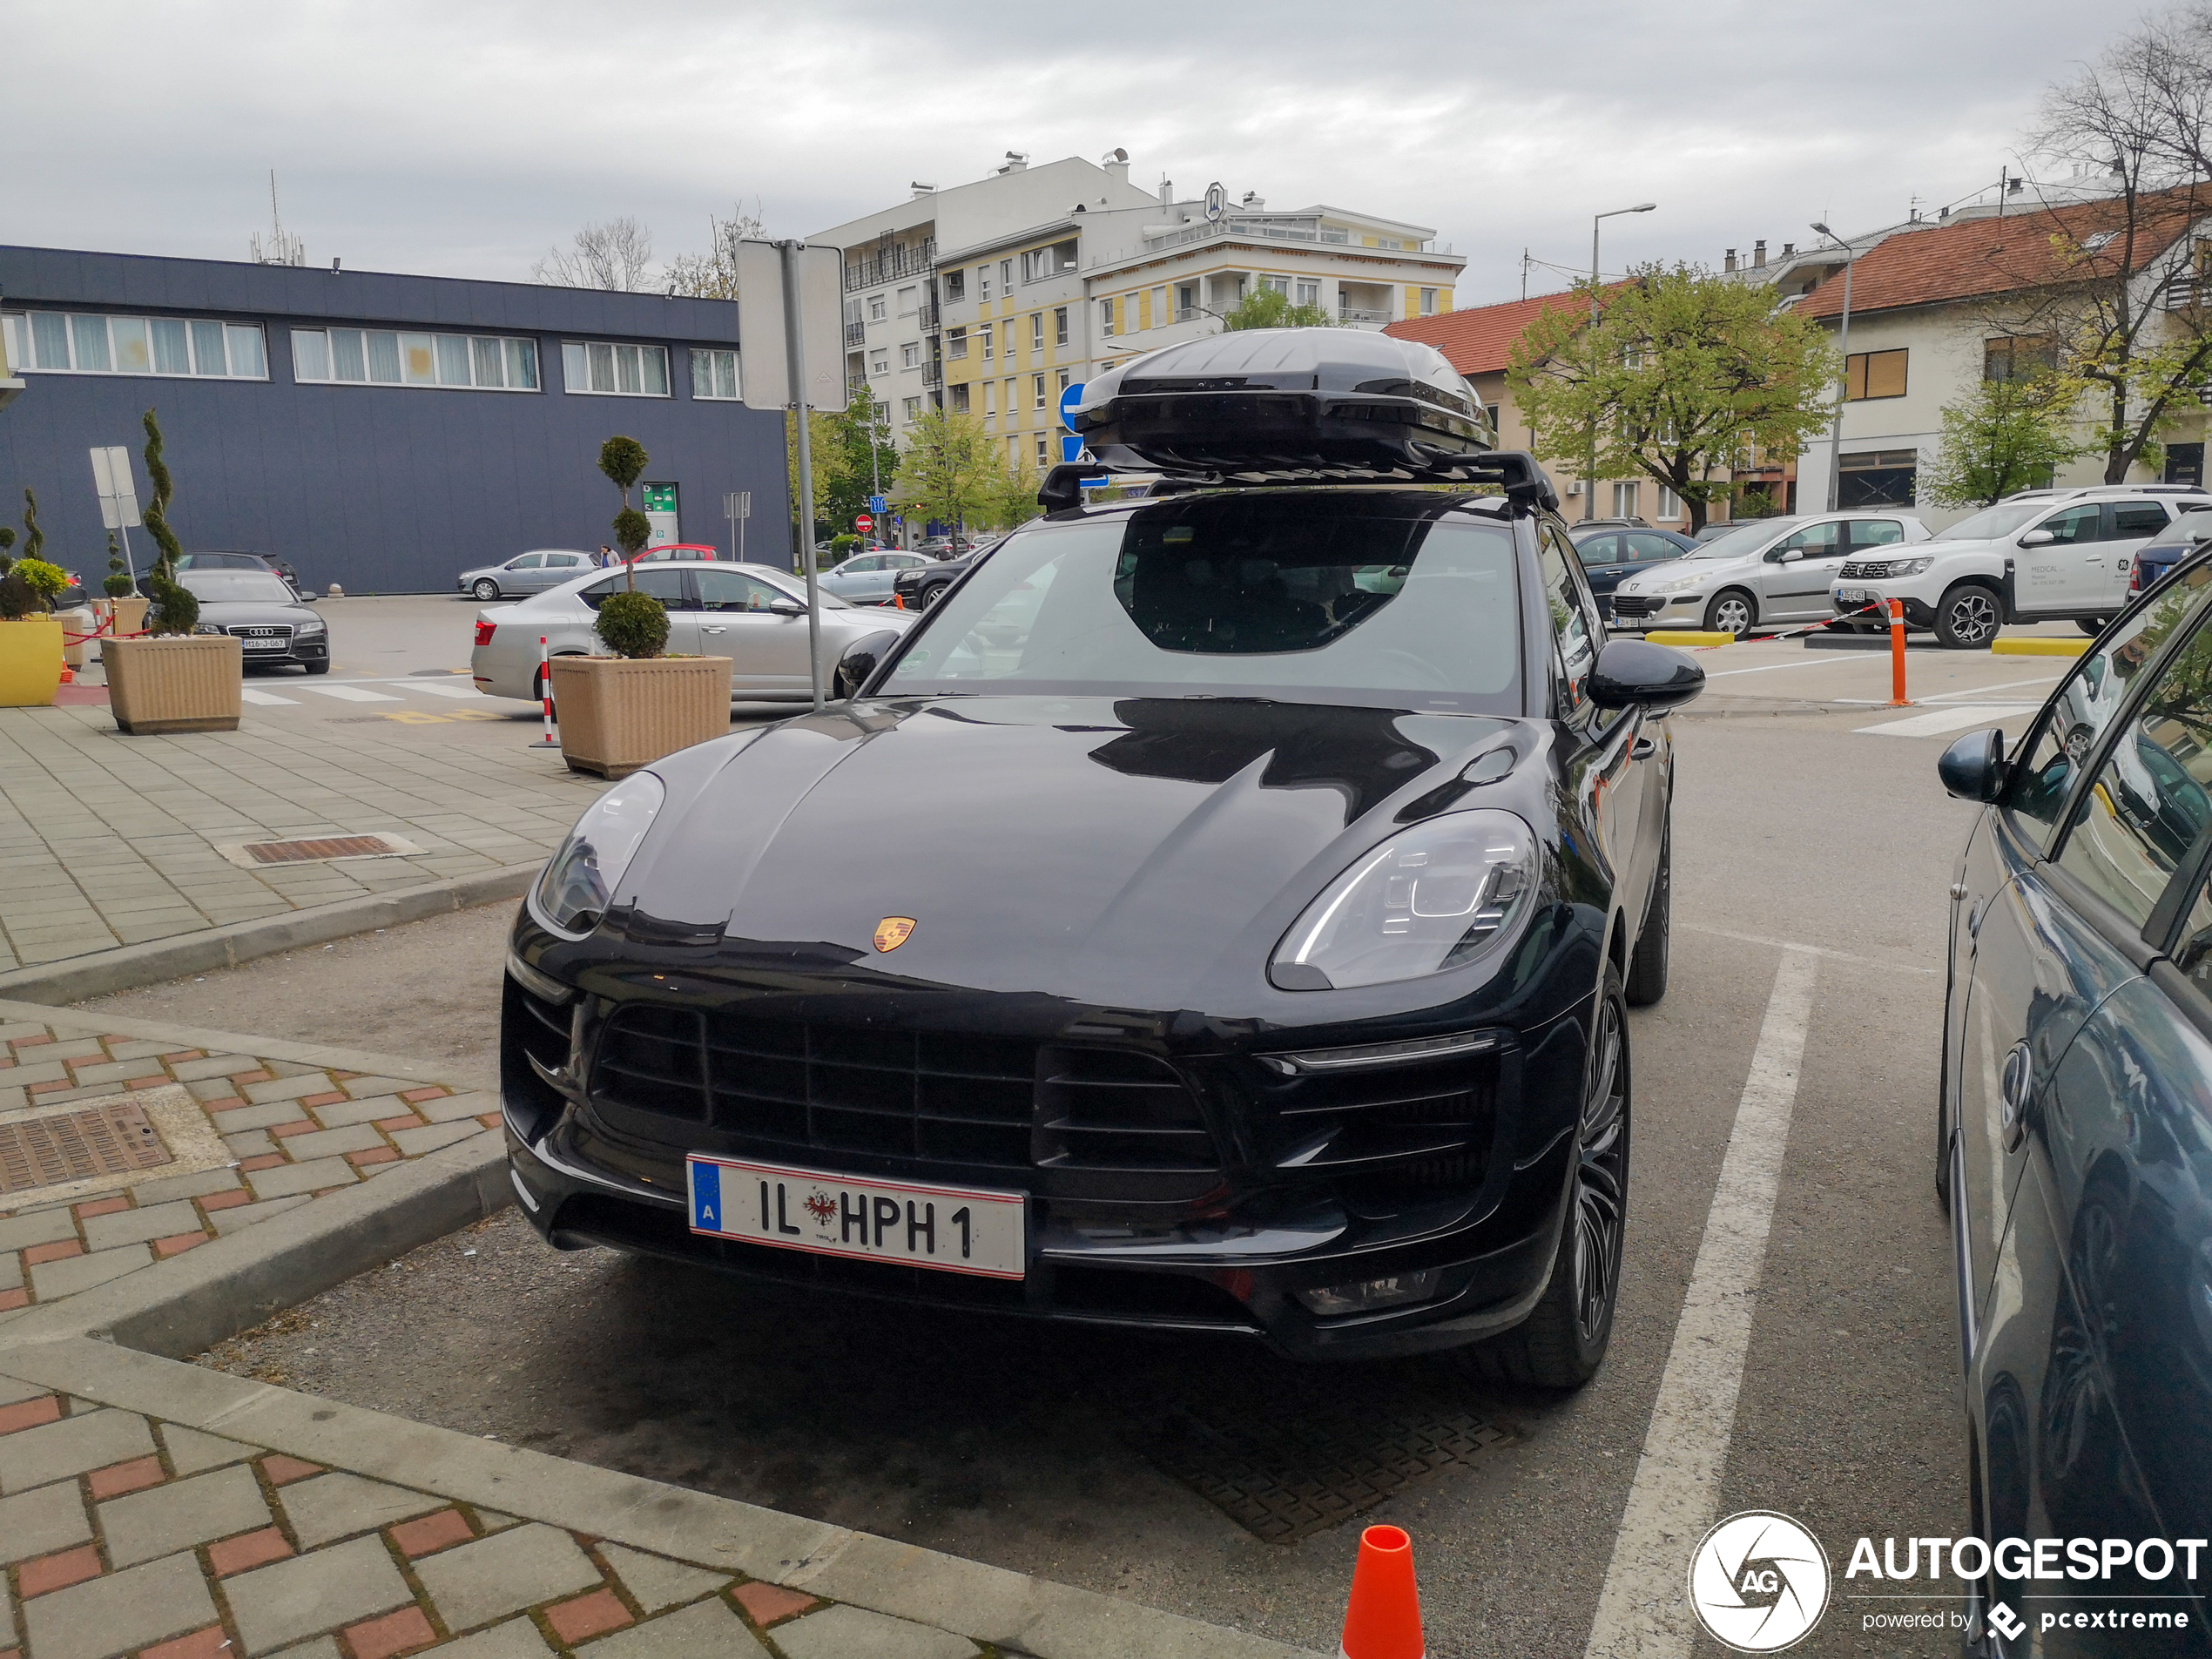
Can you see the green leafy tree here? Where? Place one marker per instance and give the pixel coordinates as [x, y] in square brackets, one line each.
[828, 460]
[858, 446]
[1684, 374]
[1266, 308]
[2004, 435]
[950, 468]
[175, 610]
[624, 460]
[1013, 498]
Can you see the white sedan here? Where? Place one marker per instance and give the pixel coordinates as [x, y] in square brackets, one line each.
[753, 614]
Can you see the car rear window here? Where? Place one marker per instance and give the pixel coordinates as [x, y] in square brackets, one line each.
[1295, 597]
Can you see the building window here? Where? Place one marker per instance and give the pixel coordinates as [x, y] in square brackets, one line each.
[1006, 276]
[1045, 452]
[1877, 373]
[1060, 325]
[959, 398]
[376, 357]
[1186, 303]
[910, 409]
[983, 284]
[1106, 317]
[2016, 357]
[875, 308]
[1669, 503]
[955, 285]
[1497, 420]
[1277, 284]
[714, 374]
[907, 303]
[2184, 464]
[1036, 331]
[879, 364]
[1624, 501]
[1308, 293]
[956, 343]
[910, 354]
[1040, 264]
[1039, 391]
[56, 342]
[990, 399]
[1013, 453]
[1877, 477]
[1011, 404]
[592, 365]
[1429, 302]
[985, 331]
[1063, 381]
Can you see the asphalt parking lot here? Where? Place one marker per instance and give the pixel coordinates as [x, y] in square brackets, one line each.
[1813, 850]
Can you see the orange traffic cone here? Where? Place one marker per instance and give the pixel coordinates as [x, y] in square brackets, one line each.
[1384, 1621]
[69, 675]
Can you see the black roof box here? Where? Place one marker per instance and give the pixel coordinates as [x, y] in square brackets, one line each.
[1314, 403]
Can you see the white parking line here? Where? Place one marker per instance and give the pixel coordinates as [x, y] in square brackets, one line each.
[1643, 1612]
[267, 699]
[350, 694]
[1955, 719]
[1984, 691]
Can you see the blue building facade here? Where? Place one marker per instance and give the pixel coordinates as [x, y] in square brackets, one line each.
[381, 432]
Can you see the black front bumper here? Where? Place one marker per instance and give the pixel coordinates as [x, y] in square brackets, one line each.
[1173, 1187]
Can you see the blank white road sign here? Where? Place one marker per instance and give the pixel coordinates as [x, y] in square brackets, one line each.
[118, 493]
[766, 381]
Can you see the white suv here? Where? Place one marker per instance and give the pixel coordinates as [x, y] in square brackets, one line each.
[2042, 556]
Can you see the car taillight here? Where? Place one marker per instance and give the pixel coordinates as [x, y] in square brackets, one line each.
[484, 632]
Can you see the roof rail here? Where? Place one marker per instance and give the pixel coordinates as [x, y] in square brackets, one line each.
[1514, 470]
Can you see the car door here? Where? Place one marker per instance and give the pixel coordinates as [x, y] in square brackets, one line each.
[520, 575]
[1601, 559]
[1866, 534]
[2129, 526]
[850, 580]
[1611, 773]
[1795, 573]
[556, 568]
[2059, 570]
[767, 649]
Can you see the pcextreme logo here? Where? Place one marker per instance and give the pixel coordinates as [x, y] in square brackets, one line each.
[1759, 1583]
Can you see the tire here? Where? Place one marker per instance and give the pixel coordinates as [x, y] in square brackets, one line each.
[484, 589]
[1732, 611]
[2093, 626]
[1561, 1344]
[322, 667]
[1967, 616]
[933, 593]
[1647, 966]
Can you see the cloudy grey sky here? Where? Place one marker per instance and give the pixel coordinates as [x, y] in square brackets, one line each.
[464, 137]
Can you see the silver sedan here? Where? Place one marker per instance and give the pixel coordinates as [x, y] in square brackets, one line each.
[865, 577]
[753, 614]
[533, 572]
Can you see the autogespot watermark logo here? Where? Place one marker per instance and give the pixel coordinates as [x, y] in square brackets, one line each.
[1759, 1583]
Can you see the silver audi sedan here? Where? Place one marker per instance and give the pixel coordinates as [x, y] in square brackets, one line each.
[753, 614]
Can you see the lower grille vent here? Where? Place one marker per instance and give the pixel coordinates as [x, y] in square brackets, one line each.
[1103, 1109]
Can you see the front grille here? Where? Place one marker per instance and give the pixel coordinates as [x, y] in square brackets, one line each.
[1865, 569]
[1634, 604]
[1103, 1109]
[261, 631]
[1395, 1128]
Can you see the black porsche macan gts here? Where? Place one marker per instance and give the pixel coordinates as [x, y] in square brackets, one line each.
[1292, 854]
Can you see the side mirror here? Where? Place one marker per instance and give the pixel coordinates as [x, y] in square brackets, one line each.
[2038, 538]
[1632, 673]
[1974, 768]
[1789, 556]
[788, 607]
[859, 660]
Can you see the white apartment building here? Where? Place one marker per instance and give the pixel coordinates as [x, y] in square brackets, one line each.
[992, 297]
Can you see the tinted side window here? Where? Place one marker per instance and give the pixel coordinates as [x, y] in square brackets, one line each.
[2148, 805]
[2076, 524]
[1815, 541]
[667, 586]
[527, 561]
[1599, 550]
[1644, 547]
[1570, 617]
[2133, 520]
[1876, 532]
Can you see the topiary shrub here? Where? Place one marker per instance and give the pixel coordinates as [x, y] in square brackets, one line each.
[7, 541]
[48, 581]
[175, 610]
[632, 530]
[118, 583]
[18, 599]
[633, 625]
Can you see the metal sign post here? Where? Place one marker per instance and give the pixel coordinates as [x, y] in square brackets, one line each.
[118, 495]
[795, 347]
[737, 507]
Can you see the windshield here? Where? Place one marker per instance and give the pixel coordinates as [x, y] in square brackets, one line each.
[1994, 521]
[236, 587]
[1737, 543]
[2191, 527]
[1297, 598]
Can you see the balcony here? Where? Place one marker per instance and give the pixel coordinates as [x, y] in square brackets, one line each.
[856, 336]
[1362, 316]
[932, 374]
[930, 316]
[919, 260]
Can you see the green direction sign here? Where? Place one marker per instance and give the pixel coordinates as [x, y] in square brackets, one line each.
[660, 498]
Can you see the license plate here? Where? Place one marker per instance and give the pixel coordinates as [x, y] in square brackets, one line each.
[960, 1229]
[253, 644]
[1853, 597]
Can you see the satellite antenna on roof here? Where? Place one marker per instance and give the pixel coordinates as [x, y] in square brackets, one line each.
[282, 248]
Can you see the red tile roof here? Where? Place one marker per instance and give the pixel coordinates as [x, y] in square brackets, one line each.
[1480, 339]
[1990, 256]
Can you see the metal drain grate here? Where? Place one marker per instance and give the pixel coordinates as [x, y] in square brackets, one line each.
[100, 1140]
[328, 846]
[1286, 1455]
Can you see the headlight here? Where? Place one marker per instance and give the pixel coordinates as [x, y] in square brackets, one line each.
[579, 884]
[1441, 894]
[1908, 567]
[306, 630]
[206, 628]
[1680, 584]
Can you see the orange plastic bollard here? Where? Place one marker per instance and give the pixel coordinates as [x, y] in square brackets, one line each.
[1384, 1621]
[1898, 699]
[898, 602]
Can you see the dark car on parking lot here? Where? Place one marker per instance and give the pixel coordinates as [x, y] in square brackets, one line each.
[2074, 1131]
[1610, 554]
[1295, 855]
[921, 586]
[259, 607]
[226, 561]
[2158, 556]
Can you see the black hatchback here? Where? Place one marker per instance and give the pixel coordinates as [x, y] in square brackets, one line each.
[2074, 1141]
[1294, 856]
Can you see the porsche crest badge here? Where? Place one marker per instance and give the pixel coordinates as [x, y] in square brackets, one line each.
[893, 932]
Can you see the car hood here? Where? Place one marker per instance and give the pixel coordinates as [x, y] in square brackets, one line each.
[1108, 850]
[1675, 569]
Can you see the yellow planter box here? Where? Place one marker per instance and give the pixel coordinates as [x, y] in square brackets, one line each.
[619, 713]
[175, 683]
[31, 662]
[1688, 637]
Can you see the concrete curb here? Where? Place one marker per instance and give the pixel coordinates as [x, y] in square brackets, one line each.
[127, 967]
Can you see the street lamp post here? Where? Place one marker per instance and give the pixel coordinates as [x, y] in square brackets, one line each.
[1589, 473]
[1842, 392]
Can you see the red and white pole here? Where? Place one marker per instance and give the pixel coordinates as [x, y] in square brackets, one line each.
[545, 696]
[1898, 699]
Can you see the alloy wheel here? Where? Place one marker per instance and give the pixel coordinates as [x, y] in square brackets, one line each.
[1973, 617]
[1601, 1175]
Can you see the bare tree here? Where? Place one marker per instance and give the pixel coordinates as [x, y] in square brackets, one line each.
[618, 254]
[714, 274]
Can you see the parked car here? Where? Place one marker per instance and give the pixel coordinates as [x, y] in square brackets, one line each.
[2042, 556]
[921, 586]
[1267, 978]
[1610, 556]
[865, 579]
[2158, 556]
[753, 614]
[668, 550]
[273, 629]
[228, 561]
[2073, 1130]
[1718, 527]
[1767, 573]
[532, 573]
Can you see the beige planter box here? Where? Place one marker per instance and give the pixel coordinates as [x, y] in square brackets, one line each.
[129, 613]
[618, 714]
[78, 621]
[174, 683]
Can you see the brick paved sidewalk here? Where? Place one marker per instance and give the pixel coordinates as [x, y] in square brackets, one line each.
[248, 1138]
[124, 1534]
[109, 840]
